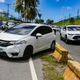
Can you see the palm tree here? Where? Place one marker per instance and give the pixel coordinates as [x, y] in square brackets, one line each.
[27, 8]
[19, 7]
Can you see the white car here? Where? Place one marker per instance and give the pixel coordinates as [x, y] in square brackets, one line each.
[70, 33]
[26, 39]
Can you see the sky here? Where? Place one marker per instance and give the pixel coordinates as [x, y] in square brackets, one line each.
[50, 9]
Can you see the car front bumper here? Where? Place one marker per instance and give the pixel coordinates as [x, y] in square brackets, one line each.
[14, 51]
[73, 38]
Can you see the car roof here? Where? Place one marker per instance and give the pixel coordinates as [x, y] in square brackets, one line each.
[35, 24]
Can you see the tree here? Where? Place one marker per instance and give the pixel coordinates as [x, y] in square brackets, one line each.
[39, 15]
[39, 20]
[27, 8]
[3, 18]
[19, 7]
[36, 20]
[48, 21]
[72, 20]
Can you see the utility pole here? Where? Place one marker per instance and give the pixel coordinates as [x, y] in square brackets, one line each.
[77, 13]
[8, 9]
[69, 15]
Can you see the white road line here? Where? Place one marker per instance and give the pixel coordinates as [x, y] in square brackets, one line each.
[57, 43]
[33, 72]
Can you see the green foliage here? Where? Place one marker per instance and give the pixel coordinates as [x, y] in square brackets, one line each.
[27, 8]
[2, 18]
[48, 21]
[72, 20]
[67, 22]
[39, 20]
[52, 70]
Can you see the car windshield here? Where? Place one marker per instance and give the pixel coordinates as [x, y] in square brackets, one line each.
[74, 28]
[20, 30]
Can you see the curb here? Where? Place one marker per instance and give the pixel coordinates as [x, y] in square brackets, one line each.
[61, 54]
[73, 71]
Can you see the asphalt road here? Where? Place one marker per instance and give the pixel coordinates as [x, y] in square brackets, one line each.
[19, 69]
[73, 47]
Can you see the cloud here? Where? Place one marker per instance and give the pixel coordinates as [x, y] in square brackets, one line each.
[1, 10]
[57, 0]
[68, 7]
[2, 1]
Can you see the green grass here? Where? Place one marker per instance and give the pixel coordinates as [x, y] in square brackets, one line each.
[52, 70]
[67, 22]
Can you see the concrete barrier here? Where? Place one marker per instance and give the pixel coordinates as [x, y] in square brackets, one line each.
[60, 54]
[73, 71]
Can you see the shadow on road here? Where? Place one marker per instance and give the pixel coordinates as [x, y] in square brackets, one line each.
[42, 53]
[15, 60]
[21, 60]
[75, 43]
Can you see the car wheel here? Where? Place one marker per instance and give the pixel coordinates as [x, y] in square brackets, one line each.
[66, 40]
[60, 37]
[53, 46]
[28, 52]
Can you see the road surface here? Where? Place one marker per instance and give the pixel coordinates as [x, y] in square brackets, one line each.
[73, 47]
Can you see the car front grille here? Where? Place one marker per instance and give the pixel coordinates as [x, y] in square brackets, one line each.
[76, 37]
[3, 54]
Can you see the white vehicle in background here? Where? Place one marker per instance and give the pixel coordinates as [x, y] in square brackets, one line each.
[25, 39]
[10, 24]
[70, 33]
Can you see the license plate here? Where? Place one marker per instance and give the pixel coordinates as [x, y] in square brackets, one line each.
[1, 50]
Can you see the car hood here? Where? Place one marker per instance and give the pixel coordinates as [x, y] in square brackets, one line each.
[10, 37]
[74, 32]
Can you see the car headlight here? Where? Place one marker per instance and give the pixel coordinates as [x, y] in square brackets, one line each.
[71, 34]
[17, 42]
[20, 42]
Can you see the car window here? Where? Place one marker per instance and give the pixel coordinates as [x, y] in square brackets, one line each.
[22, 30]
[73, 28]
[42, 29]
[47, 30]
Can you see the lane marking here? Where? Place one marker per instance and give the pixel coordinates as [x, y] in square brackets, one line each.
[57, 44]
[33, 72]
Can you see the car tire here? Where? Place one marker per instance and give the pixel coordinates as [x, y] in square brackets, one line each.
[27, 52]
[52, 46]
[66, 40]
[61, 37]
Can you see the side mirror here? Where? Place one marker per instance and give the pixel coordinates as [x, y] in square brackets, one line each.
[38, 35]
[54, 31]
[64, 29]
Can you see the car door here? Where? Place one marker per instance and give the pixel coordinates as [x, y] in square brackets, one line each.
[41, 42]
[64, 32]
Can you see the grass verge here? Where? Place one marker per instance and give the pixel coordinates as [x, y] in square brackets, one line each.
[52, 70]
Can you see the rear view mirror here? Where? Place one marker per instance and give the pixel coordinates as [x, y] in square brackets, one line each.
[54, 31]
[38, 35]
